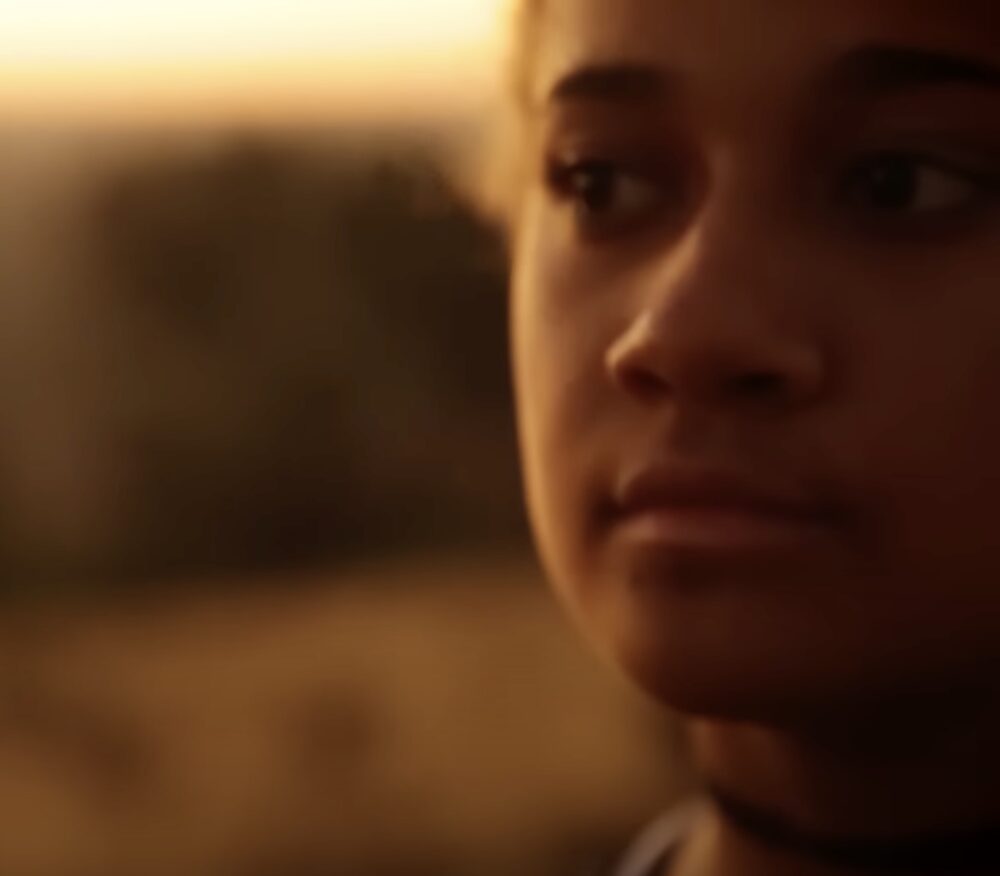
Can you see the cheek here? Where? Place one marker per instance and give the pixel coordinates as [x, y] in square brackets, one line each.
[560, 330]
[924, 417]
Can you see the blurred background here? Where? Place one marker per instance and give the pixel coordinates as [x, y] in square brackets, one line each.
[268, 603]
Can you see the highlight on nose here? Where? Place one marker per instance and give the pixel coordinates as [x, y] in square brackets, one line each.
[655, 361]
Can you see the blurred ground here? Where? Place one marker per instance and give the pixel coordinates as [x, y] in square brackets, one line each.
[416, 716]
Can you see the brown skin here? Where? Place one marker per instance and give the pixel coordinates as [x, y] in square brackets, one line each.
[767, 265]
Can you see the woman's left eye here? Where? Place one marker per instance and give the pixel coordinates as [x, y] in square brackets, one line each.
[898, 184]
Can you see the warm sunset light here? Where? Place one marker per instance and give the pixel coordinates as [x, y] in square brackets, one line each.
[243, 57]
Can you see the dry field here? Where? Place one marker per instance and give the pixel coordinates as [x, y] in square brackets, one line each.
[426, 716]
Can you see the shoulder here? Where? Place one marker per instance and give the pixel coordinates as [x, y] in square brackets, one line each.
[651, 851]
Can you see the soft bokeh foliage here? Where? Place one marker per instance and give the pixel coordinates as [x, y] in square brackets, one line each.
[286, 350]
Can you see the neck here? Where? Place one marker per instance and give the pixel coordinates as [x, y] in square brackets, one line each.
[851, 801]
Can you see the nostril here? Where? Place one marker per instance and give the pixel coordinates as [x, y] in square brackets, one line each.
[756, 384]
[645, 385]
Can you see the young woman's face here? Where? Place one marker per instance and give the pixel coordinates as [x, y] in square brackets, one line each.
[756, 333]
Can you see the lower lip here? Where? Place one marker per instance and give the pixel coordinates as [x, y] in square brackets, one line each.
[722, 531]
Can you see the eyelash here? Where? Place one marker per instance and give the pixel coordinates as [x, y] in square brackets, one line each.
[959, 188]
[588, 183]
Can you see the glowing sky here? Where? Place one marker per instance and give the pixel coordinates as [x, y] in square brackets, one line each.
[243, 57]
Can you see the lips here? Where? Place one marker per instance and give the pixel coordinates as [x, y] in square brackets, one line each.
[716, 511]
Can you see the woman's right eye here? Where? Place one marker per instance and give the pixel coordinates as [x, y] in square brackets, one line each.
[605, 196]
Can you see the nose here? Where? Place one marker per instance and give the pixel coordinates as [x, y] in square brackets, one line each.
[718, 324]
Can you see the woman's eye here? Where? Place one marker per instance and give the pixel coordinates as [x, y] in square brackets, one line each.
[603, 194]
[911, 186]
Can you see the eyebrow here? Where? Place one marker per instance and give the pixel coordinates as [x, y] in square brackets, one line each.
[611, 82]
[887, 69]
[876, 68]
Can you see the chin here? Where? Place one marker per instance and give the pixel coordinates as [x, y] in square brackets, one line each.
[791, 682]
[735, 654]
[700, 683]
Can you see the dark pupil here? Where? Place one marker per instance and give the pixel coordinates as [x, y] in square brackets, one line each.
[595, 187]
[891, 183]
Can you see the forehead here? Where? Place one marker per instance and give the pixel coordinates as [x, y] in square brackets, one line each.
[750, 42]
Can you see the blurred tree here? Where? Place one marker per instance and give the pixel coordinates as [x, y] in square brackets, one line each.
[309, 357]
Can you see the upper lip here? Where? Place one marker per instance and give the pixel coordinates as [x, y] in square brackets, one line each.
[685, 488]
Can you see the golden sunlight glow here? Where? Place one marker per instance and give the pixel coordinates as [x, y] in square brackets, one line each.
[243, 57]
